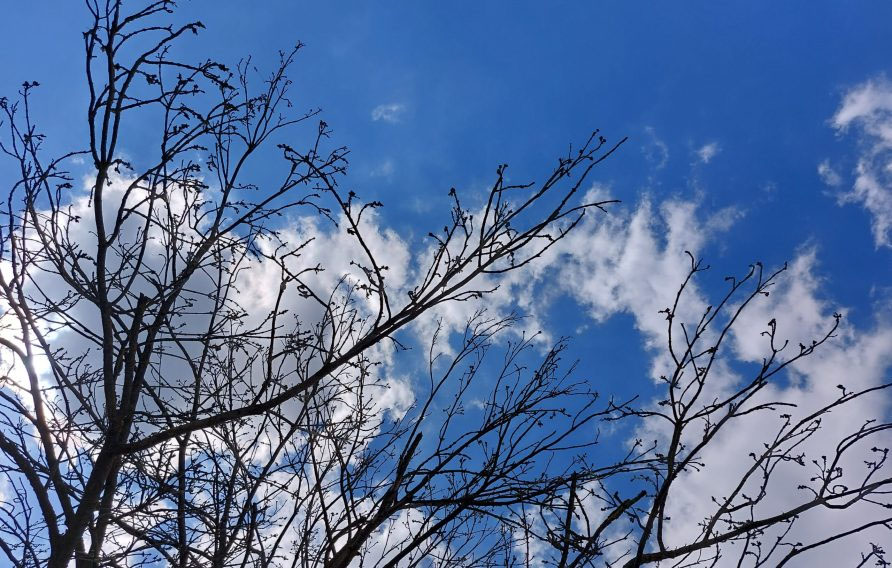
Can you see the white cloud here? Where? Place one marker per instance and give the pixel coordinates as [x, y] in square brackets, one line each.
[873, 192]
[828, 174]
[865, 100]
[391, 112]
[386, 396]
[857, 358]
[624, 261]
[708, 151]
[868, 108]
[633, 262]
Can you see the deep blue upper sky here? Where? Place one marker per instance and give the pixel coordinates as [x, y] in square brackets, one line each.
[481, 83]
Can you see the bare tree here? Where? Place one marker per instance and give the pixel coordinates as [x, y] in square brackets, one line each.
[172, 423]
[751, 524]
[156, 412]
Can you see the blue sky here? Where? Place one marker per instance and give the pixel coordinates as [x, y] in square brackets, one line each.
[480, 83]
[730, 108]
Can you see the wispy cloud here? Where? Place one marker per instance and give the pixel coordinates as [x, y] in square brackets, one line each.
[655, 150]
[868, 108]
[383, 170]
[708, 151]
[828, 174]
[391, 112]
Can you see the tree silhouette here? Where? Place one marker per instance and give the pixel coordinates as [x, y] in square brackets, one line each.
[191, 378]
